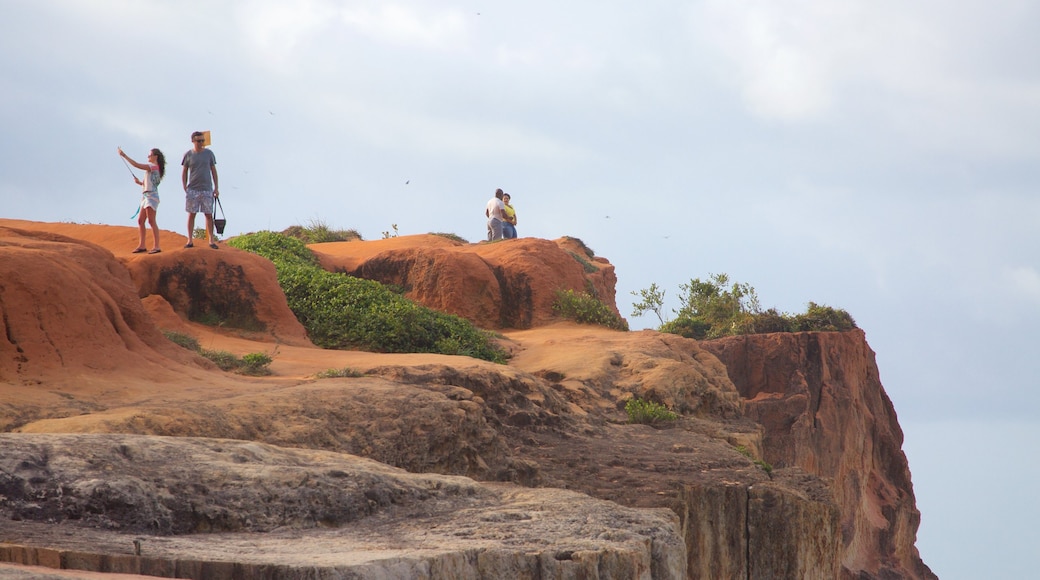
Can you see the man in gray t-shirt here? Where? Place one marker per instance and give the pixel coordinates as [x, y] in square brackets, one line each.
[199, 177]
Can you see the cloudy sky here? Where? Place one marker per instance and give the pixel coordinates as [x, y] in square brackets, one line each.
[876, 156]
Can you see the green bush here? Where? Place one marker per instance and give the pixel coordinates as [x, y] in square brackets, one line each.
[255, 363]
[224, 360]
[279, 248]
[344, 312]
[713, 309]
[647, 412]
[817, 317]
[585, 308]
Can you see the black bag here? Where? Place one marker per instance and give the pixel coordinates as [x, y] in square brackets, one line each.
[219, 223]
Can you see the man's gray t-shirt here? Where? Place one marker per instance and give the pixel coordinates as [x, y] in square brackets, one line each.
[200, 178]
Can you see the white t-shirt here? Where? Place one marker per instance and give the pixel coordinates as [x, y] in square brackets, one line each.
[495, 208]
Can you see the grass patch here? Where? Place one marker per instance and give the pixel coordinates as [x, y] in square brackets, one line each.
[255, 364]
[345, 372]
[184, 340]
[584, 308]
[452, 237]
[747, 453]
[588, 251]
[585, 264]
[648, 412]
[317, 232]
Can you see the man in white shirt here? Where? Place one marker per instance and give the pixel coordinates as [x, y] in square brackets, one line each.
[495, 212]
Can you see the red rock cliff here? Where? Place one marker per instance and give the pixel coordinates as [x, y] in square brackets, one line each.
[819, 397]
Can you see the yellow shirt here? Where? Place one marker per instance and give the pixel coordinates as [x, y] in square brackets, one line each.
[510, 214]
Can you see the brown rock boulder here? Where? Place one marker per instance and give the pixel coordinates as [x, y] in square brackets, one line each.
[820, 400]
[227, 288]
[508, 284]
[70, 307]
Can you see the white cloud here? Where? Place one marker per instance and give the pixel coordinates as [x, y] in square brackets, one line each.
[782, 55]
[275, 29]
[429, 28]
[384, 126]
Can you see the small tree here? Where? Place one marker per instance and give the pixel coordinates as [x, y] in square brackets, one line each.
[653, 301]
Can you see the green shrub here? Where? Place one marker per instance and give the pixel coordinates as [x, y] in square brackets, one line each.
[825, 318]
[647, 412]
[185, 340]
[585, 308]
[255, 363]
[223, 359]
[713, 309]
[344, 312]
[280, 249]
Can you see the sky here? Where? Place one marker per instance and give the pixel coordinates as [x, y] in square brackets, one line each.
[877, 156]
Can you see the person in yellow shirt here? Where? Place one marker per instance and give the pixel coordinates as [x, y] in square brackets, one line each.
[509, 227]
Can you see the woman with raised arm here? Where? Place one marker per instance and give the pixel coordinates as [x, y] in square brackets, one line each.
[154, 171]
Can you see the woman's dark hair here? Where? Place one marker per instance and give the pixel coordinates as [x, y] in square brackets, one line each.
[161, 159]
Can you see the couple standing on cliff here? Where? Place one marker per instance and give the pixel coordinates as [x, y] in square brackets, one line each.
[199, 178]
[501, 217]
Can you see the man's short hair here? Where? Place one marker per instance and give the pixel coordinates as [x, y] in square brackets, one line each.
[196, 134]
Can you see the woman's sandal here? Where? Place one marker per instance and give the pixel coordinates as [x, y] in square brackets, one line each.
[139, 251]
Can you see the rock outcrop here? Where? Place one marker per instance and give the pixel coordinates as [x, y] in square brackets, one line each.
[508, 284]
[786, 462]
[819, 399]
[322, 515]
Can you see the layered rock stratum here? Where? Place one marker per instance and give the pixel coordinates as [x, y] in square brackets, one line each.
[124, 453]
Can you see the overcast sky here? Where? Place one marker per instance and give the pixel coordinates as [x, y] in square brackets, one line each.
[876, 156]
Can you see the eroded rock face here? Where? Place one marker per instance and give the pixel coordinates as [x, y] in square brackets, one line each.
[323, 514]
[508, 284]
[69, 305]
[820, 401]
[235, 289]
[78, 333]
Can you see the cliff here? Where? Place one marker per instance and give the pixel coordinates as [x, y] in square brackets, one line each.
[156, 448]
[819, 398]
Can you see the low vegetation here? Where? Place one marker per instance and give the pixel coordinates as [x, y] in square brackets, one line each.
[450, 236]
[254, 364]
[714, 308]
[345, 372]
[344, 312]
[648, 412]
[317, 232]
[585, 308]
[747, 453]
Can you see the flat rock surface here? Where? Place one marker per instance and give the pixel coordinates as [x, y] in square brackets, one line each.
[261, 505]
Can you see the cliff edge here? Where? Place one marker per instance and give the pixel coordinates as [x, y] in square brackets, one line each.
[785, 463]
